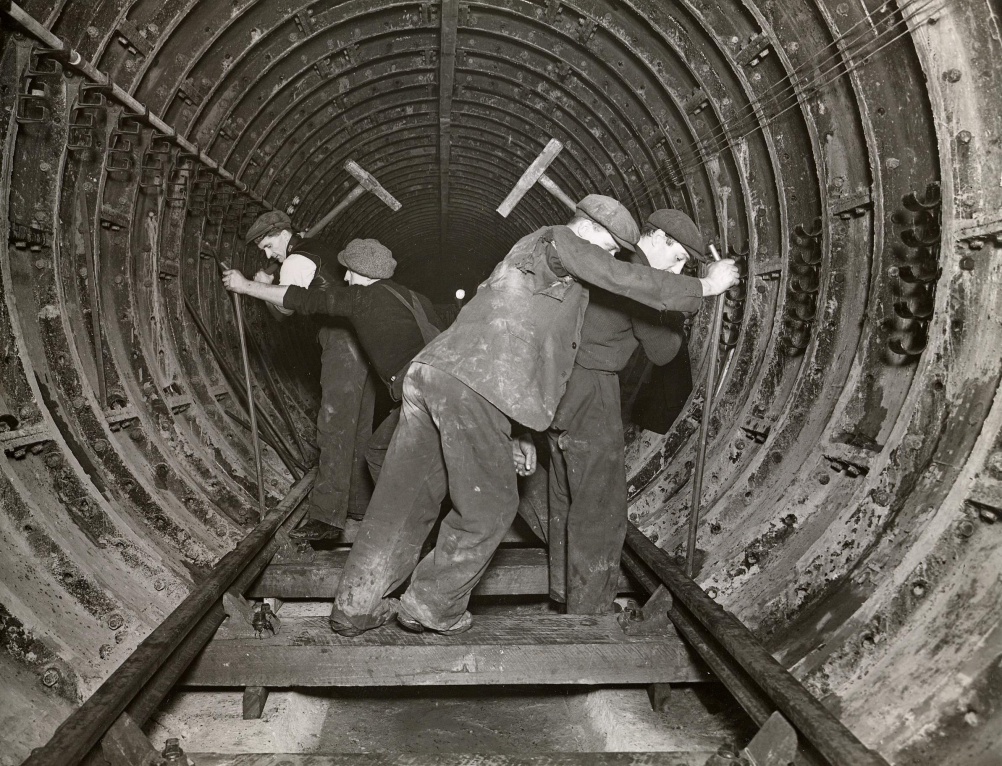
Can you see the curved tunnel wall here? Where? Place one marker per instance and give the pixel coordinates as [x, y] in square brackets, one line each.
[853, 477]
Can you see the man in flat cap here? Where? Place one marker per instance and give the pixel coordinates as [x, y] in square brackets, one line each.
[505, 359]
[584, 520]
[391, 323]
[304, 262]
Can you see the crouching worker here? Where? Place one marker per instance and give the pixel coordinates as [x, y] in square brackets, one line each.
[391, 322]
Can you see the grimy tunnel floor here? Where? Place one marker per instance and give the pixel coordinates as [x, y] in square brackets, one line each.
[853, 481]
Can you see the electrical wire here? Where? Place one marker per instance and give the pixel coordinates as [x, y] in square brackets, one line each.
[731, 130]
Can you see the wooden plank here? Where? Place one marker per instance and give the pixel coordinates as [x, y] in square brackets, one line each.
[254, 701]
[449, 759]
[518, 534]
[551, 649]
[512, 572]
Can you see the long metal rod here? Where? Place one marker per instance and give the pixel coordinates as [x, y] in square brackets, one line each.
[297, 470]
[284, 453]
[251, 409]
[835, 743]
[707, 409]
[81, 731]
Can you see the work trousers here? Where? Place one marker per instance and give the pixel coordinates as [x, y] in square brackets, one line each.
[344, 422]
[449, 440]
[587, 493]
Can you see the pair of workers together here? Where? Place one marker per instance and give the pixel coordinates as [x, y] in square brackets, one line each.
[538, 348]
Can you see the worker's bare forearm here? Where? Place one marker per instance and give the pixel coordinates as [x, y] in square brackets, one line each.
[273, 294]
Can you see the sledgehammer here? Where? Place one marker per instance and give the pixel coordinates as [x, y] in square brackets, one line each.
[536, 173]
[366, 182]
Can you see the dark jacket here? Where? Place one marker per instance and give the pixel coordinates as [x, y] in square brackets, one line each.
[386, 329]
[515, 342]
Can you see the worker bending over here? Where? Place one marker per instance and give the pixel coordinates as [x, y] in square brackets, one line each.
[506, 358]
[391, 322]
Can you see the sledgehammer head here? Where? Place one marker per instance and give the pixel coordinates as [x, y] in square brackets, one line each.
[534, 172]
[368, 182]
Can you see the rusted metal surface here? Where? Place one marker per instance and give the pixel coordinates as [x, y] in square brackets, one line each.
[850, 481]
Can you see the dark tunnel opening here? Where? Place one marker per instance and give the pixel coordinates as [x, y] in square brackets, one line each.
[854, 477]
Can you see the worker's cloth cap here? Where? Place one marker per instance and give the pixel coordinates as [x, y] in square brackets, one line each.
[610, 213]
[369, 258]
[680, 227]
[267, 223]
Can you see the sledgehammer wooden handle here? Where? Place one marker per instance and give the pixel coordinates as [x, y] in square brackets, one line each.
[536, 173]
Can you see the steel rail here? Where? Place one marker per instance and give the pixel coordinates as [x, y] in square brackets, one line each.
[168, 647]
[833, 741]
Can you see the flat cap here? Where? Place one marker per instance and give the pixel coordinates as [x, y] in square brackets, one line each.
[267, 223]
[611, 214]
[680, 227]
[368, 257]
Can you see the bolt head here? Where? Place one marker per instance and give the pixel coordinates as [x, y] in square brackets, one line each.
[116, 621]
[50, 677]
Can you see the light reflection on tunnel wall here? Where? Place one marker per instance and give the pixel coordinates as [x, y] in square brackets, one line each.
[853, 469]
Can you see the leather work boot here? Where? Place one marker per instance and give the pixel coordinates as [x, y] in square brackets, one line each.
[462, 625]
[315, 531]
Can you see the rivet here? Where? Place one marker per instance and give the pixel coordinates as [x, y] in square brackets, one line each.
[965, 529]
[893, 162]
[711, 592]
[78, 402]
[655, 537]
[25, 412]
[824, 479]
[918, 588]
[50, 677]
[53, 460]
[116, 621]
[964, 137]
[967, 263]
[893, 271]
[119, 279]
[83, 271]
[952, 75]
[160, 584]
[101, 446]
[105, 651]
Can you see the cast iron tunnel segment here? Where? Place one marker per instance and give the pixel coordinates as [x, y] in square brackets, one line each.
[211, 639]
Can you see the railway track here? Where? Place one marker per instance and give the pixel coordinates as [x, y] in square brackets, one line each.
[229, 633]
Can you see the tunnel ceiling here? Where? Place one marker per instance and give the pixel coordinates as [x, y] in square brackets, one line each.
[855, 469]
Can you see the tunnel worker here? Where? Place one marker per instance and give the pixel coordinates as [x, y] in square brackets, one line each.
[392, 324]
[304, 262]
[505, 359]
[586, 521]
